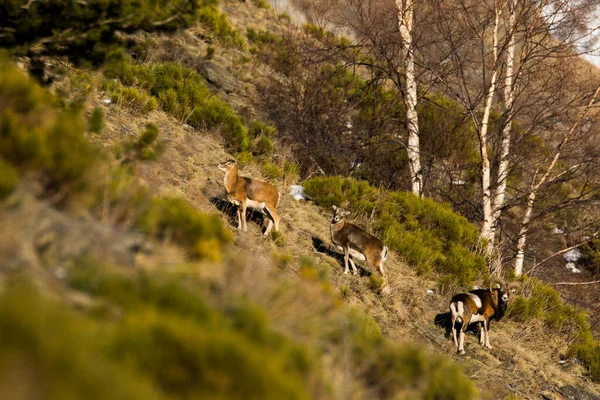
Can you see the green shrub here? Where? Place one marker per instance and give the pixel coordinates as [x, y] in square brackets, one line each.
[271, 171]
[201, 234]
[429, 235]
[134, 99]
[185, 360]
[282, 260]
[542, 302]
[145, 147]
[285, 17]
[9, 179]
[218, 23]
[308, 267]
[182, 92]
[215, 113]
[291, 172]
[96, 121]
[37, 137]
[376, 282]
[588, 352]
[401, 371]
[245, 158]
[261, 37]
[261, 4]
[277, 237]
[263, 147]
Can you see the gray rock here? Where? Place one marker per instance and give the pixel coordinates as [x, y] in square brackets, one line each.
[218, 76]
[33, 234]
[573, 393]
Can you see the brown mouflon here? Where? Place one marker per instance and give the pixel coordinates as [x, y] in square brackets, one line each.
[480, 305]
[250, 193]
[357, 244]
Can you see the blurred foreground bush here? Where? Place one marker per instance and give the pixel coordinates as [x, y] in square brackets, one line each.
[148, 335]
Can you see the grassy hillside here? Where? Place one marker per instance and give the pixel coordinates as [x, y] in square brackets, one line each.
[122, 275]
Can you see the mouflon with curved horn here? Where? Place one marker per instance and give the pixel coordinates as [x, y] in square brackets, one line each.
[479, 305]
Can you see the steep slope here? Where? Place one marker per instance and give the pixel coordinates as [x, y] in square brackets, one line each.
[295, 278]
[526, 359]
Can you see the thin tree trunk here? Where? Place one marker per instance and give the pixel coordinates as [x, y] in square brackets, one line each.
[522, 241]
[503, 167]
[405, 26]
[486, 228]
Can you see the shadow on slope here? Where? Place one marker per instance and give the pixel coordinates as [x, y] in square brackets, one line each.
[230, 210]
[321, 247]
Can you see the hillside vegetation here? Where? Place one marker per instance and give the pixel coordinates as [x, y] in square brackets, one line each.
[122, 275]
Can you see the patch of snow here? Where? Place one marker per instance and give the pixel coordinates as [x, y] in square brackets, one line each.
[573, 268]
[429, 291]
[298, 193]
[106, 101]
[558, 231]
[572, 256]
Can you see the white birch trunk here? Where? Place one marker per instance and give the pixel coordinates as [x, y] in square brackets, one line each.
[405, 26]
[486, 228]
[523, 233]
[522, 241]
[509, 96]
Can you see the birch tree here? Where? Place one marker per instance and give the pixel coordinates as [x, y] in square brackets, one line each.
[537, 183]
[509, 98]
[405, 26]
[486, 227]
[469, 25]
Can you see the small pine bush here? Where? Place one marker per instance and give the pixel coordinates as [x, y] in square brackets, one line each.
[283, 260]
[261, 4]
[264, 147]
[9, 179]
[542, 302]
[261, 37]
[219, 24]
[245, 158]
[96, 121]
[145, 147]
[291, 172]
[272, 171]
[134, 99]
[182, 92]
